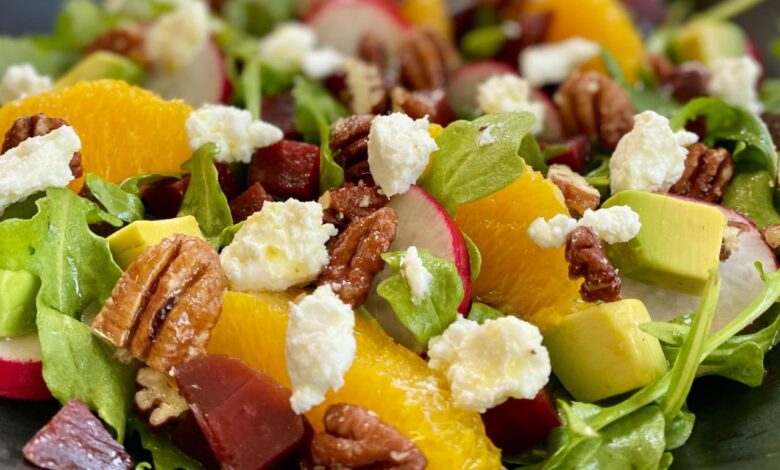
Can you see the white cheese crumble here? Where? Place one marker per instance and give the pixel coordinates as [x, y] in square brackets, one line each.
[551, 233]
[36, 164]
[651, 157]
[175, 39]
[735, 81]
[416, 275]
[288, 45]
[486, 136]
[398, 151]
[320, 347]
[281, 246]
[322, 63]
[550, 63]
[489, 363]
[509, 93]
[20, 81]
[616, 224]
[232, 129]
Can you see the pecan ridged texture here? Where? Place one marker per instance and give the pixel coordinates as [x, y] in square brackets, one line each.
[164, 306]
[427, 59]
[124, 40]
[349, 142]
[595, 105]
[355, 437]
[351, 201]
[578, 194]
[27, 127]
[588, 260]
[355, 255]
[706, 175]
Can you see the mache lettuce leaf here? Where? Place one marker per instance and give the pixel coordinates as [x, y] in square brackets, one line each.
[204, 198]
[121, 204]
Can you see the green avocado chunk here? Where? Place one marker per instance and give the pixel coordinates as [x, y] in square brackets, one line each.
[709, 40]
[601, 352]
[18, 290]
[102, 65]
[677, 246]
[132, 241]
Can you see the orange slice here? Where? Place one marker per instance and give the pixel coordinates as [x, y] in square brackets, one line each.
[385, 378]
[431, 13]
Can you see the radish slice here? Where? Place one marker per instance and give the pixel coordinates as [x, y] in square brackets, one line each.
[21, 368]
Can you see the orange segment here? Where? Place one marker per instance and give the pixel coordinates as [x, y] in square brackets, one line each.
[604, 21]
[385, 378]
[517, 276]
[431, 13]
[124, 130]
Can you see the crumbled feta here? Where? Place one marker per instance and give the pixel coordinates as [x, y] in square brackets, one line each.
[509, 94]
[398, 151]
[20, 81]
[320, 347]
[322, 63]
[550, 63]
[489, 363]
[651, 156]
[232, 129]
[552, 233]
[36, 164]
[616, 224]
[281, 246]
[417, 276]
[486, 136]
[287, 45]
[735, 81]
[175, 39]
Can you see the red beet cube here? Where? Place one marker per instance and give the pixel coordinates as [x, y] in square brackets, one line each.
[75, 439]
[249, 202]
[576, 155]
[517, 425]
[287, 169]
[163, 199]
[245, 415]
[279, 110]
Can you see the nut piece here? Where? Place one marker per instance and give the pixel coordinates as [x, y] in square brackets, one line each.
[771, 235]
[587, 259]
[419, 104]
[355, 437]
[593, 104]
[157, 398]
[126, 40]
[355, 255]
[579, 195]
[35, 126]
[426, 60]
[163, 308]
[349, 202]
[685, 82]
[349, 142]
[365, 87]
[706, 175]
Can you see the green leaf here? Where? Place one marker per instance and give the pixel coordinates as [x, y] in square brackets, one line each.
[462, 170]
[164, 454]
[480, 313]
[475, 257]
[24, 209]
[770, 93]
[45, 59]
[204, 198]
[436, 311]
[228, 234]
[121, 204]
[644, 95]
[636, 441]
[482, 43]
[76, 364]
[331, 174]
[751, 194]
[134, 184]
[275, 80]
[533, 155]
[79, 23]
[679, 430]
[251, 84]
[745, 132]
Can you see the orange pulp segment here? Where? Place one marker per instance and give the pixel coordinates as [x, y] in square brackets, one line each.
[433, 14]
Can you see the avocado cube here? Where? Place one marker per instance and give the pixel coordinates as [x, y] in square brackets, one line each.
[18, 290]
[677, 246]
[131, 242]
[709, 40]
[601, 352]
[102, 65]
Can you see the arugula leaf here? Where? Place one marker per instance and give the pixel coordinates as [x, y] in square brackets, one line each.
[431, 316]
[636, 441]
[164, 454]
[483, 43]
[748, 135]
[77, 364]
[121, 204]
[462, 170]
[275, 80]
[644, 95]
[533, 155]
[34, 51]
[79, 23]
[770, 94]
[24, 209]
[751, 195]
[204, 198]
[679, 430]
[481, 312]
[251, 84]
[475, 257]
[133, 184]
[227, 235]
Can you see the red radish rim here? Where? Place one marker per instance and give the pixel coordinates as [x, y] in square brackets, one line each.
[391, 10]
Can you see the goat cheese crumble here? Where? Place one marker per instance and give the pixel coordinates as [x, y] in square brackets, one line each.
[551, 233]
[549, 63]
[287, 45]
[20, 81]
[322, 63]
[735, 81]
[175, 39]
[509, 93]
[616, 224]
[416, 275]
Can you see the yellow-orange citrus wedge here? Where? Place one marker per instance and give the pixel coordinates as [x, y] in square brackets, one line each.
[433, 14]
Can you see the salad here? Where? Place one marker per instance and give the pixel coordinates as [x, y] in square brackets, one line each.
[374, 234]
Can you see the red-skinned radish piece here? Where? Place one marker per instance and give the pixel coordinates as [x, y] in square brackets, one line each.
[342, 23]
[21, 375]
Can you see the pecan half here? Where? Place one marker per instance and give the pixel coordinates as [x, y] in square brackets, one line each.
[163, 308]
[126, 40]
[355, 437]
[587, 259]
[595, 105]
[706, 175]
[37, 125]
[349, 142]
[355, 255]
[351, 201]
[578, 194]
[426, 59]
[156, 397]
[432, 104]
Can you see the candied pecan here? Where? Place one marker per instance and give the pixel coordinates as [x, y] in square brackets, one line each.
[364, 87]
[372, 50]
[125, 40]
[163, 308]
[426, 59]
[578, 194]
[37, 125]
[432, 104]
[706, 175]
[355, 255]
[349, 138]
[249, 202]
[771, 234]
[355, 437]
[593, 104]
[685, 82]
[359, 173]
[587, 259]
[349, 202]
[156, 397]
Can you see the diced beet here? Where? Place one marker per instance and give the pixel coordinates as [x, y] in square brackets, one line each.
[517, 425]
[245, 416]
[576, 155]
[279, 110]
[287, 169]
[189, 438]
[163, 198]
[75, 439]
[228, 183]
[249, 202]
